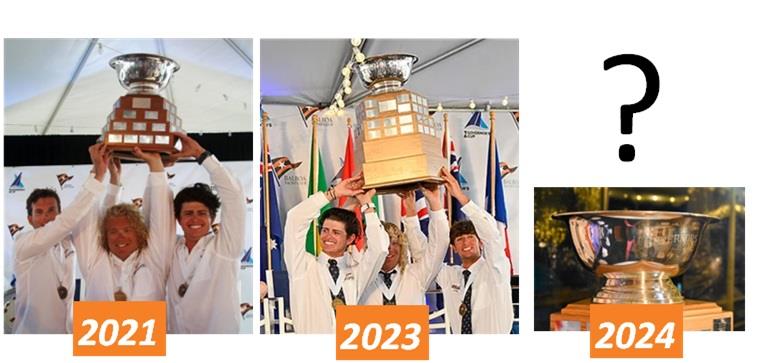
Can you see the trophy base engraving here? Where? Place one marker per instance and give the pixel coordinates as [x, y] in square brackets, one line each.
[146, 122]
[126, 153]
[697, 315]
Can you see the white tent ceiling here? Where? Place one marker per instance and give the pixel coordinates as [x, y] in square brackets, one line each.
[450, 71]
[65, 86]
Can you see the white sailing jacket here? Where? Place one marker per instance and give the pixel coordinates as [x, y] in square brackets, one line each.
[410, 285]
[44, 259]
[492, 301]
[143, 274]
[211, 302]
[310, 298]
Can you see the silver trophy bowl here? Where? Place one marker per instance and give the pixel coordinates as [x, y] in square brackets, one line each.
[637, 251]
[387, 72]
[143, 73]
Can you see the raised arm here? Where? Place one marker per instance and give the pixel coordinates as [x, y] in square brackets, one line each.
[230, 241]
[41, 239]
[417, 240]
[158, 211]
[428, 267]
[485, 225]
[114, 189]
[299, 219]
[377, 243]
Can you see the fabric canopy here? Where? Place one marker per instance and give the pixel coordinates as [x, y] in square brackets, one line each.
[66, 86]
[449, 71]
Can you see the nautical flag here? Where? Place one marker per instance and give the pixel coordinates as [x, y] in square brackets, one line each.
[495, 203]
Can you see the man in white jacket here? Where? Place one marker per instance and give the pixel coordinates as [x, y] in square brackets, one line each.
[402, 283]
[477, 295]
[318, 284]
[123, 256]
[202, 288]
[44, 257]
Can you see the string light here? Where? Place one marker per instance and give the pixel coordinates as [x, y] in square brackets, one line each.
[346, 87]
[505, 101]
[440, 108]
[472, 105]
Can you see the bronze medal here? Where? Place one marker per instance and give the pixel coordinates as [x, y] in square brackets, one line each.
[62, 292]
[119, 295]
[337, 302]
[463, 309]
[182, 289]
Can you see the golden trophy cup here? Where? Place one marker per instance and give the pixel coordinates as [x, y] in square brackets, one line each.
[142, 118]
[400, 143]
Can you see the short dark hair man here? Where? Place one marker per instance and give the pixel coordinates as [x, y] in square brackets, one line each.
[320, 283]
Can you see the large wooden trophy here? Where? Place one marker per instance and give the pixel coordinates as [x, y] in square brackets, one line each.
[400, 141]
[142, 118]
[638, 252]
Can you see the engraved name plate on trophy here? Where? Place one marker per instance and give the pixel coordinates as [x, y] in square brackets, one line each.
[400, 142]
[142, 118]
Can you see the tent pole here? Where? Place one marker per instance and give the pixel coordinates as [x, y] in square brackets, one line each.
[242, 54]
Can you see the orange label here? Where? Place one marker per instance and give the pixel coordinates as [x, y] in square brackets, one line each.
[124, 328]
[389, 332]
[636, 331]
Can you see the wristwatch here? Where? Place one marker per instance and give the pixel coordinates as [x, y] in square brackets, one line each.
[366, 206]
[204, 155]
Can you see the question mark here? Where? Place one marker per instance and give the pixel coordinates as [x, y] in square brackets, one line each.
[627, 151]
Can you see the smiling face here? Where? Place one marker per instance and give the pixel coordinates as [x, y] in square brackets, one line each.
[121, 236]
[123, 230]
[334, 238]
[468, 246]
[465, 241]
[393, 258]
[195, 220]
[397, 244]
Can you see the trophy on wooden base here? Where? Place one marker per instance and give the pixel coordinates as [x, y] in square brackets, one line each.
[638, 252]
[400, 142]
[142, 118]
